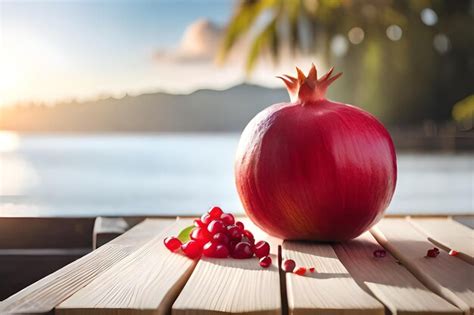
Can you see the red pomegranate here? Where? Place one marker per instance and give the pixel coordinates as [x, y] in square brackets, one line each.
[315, 169]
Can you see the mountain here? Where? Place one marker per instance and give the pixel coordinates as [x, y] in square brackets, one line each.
[201, 111]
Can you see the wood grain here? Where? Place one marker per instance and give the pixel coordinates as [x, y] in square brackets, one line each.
[448, 234]
[330, 290]
[447, 276]
[47, 293]
[146, 282]
[389, 281]
[237, 286]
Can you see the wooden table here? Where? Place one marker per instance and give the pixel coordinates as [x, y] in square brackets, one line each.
[136, 274]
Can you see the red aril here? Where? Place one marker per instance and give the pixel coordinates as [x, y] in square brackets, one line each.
[312, 269]
[200, 235]
[265, 262]
[249, 236]
[232, 244]
[216, 226]
[234, 232]
[240, 225]
[172, 243]
[261, 249]
[209, 249]
[206, 219]
[215, 212]
[288, 265]
[432, 253]
[227, 218]
[315, 169]
[221, 238]
[192, 249]
[300, 271]
[221, 252]
[242, 250]
[199, 223]
[217, 235]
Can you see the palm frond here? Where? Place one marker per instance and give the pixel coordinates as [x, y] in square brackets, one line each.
[242, 21]
[268, 37]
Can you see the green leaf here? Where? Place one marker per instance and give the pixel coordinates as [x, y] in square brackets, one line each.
[185, 234]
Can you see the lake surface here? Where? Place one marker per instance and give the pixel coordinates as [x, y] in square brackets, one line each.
[50, 175]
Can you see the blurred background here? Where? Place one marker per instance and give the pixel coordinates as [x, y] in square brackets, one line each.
[136, 107]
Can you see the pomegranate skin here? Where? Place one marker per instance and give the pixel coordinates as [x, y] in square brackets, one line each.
[315, 170]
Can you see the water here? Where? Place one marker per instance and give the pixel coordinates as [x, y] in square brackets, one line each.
[50, 175]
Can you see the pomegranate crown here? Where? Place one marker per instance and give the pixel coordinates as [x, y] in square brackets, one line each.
[308, 88]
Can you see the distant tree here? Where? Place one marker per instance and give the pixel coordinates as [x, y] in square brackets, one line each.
[405, 61]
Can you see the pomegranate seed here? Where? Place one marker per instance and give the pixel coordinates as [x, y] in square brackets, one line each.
[242, 250]
[240, 225]
[192, 249]
[234, 232]
[249, 236]
[221, 238]
[221, 251]
[227, 218]
[261, 249]
[265, 262]
[288, 265]
[215, 226]
[453, 252]
[215, 212]
[232, 244]
[209, 249]
[199, 223]
[201, 235]
[312, 269]
[436, 249]
[172, 243]
[206, 219]
[300, 271]
[380, 253]
[432, 253]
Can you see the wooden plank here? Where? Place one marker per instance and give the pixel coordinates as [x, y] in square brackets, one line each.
[236, 286]
[146, 282]
[44, 295]
[447, 276]
[330, 290]
[106, 229]
[21, 268]
[389, 281]
[466, 220]
[448, 235]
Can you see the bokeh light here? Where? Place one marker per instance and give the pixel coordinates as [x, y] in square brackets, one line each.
[429, 17]
[394, 32]
[339, 45]
[441, 43]
[356, 35]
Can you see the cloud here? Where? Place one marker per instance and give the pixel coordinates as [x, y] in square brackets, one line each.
[193, 64]
[200, 43]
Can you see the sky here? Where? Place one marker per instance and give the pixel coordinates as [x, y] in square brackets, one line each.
[56, 50]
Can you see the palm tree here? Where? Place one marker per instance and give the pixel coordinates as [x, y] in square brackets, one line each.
[405, 61]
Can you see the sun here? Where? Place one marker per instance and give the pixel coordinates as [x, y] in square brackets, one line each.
[25, 59]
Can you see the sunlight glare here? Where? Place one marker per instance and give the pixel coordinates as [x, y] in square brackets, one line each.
[9, 141]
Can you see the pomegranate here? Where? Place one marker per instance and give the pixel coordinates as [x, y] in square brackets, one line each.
[315, 169]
